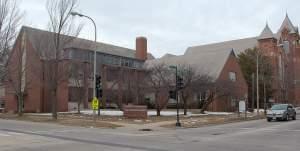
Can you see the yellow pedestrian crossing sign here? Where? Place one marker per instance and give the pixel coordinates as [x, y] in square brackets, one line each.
[95, 103]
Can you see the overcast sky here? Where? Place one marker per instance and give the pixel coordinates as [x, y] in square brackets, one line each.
[173, 25]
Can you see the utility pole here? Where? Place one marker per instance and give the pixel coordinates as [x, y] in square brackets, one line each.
[257, 84]
[246, 105]
[265, 97]
[253, 83]
[178, 82]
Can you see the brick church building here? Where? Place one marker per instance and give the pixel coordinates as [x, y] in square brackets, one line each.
[283, 47]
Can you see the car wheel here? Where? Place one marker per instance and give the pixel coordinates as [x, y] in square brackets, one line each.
[287, 118]
[294, 117]
[269, 119]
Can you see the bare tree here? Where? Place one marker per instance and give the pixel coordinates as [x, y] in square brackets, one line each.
[134, 91]
[193, 82]
[60, 24]
[79, 74]
[19, 71]
[160, 80]
[197, 82]
[10, 19]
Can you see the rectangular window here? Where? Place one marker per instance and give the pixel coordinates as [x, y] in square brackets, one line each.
[286, 47]
[130, 63]
[232, 76]
[116, 61]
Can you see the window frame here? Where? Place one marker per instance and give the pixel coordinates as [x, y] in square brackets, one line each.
[232, 76]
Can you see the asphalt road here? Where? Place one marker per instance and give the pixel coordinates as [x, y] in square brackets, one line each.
[244, 136]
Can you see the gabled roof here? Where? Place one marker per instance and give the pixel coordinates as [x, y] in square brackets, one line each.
[209, 62]
[266, 33]
[287, 24]
[42, 40]
[168, 55]
[238, 46]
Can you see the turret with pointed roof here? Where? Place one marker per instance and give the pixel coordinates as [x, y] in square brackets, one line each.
[266, 33]
[288, 25]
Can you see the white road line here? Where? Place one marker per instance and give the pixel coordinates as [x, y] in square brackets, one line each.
[14, 133]
[56, 131]
[5, 135]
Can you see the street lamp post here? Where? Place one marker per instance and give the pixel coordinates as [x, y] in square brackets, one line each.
[178, 124]
[257, 84]
[95, 40]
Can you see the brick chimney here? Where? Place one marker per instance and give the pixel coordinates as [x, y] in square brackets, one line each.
[141, 48]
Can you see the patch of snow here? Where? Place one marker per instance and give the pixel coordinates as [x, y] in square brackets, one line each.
[120, 113]
[104, 112]
[165, 113]
[138, 121]
[39, 114]
[260, 110]
[150, 113]
[218, 113]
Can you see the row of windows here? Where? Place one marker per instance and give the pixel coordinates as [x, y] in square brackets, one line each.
[104, 59]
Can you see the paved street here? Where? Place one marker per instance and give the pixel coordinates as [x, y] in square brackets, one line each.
[245, 136]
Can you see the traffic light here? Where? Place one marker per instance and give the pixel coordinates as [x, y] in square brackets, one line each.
[98, 86]
[179, 84]
[172, 94]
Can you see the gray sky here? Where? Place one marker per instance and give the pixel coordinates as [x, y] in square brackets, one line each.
[173, 25]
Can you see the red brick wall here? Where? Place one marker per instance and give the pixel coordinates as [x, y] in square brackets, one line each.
[32, 70]
[269, 48]
[240, 86]
[33, 78]
[291, 63]
[63, 89]
[297, 75]
[10, 97]
[37, 92]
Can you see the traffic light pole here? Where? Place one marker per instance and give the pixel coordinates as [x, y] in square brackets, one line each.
[178, 124]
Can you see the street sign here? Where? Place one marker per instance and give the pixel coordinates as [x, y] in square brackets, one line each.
[242, 106]
[95, 103]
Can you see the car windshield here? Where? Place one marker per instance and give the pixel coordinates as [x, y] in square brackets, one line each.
[279, 107]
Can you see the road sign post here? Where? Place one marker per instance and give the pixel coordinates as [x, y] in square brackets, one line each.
[95, 106]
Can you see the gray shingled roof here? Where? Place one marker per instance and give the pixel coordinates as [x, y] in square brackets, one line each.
[40, 39]
[238, 46]
[208, 59]
[209, 62]
[266, 33]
